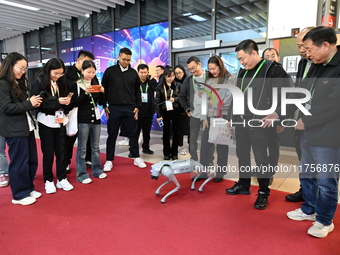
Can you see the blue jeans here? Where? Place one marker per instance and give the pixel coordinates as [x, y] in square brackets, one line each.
[84, 130]
[319, 178]
[3, 159]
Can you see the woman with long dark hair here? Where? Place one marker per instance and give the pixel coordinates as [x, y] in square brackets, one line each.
[17, 126]
[218, 75]
[184, 119]
[51, 85]
[87, 102]
[168, 111]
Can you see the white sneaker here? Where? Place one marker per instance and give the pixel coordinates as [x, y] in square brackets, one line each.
[49, 187]
[65, 185]
[35, 194]
[86, 181]
[25, 201]
[182, 151]
[102, 176]
[108, 166]
[139, 162]
[319, 230]
[299, 215]
[124, 142]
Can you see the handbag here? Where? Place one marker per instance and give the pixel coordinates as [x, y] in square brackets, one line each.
[219, 132]
[72, 124]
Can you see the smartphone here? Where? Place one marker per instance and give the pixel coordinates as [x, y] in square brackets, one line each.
[42, 94]
[161, 123]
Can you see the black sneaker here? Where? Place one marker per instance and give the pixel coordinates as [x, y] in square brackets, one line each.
[261, 201]
[237, 189]
[295, 197]
[147, 151]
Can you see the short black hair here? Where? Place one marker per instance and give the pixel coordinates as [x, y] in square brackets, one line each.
[321, 34]
[125, 51]
[85, 53]
[142, 66]
[247, 46]
[277, 53]
[195, 59]
[161, 67]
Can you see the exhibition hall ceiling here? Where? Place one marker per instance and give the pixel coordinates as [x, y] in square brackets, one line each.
[15, 20]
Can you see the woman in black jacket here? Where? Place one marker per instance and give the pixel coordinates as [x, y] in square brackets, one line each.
[17, 126]
[184, 120]
[51, 85]
[87, 101]
[168, 112]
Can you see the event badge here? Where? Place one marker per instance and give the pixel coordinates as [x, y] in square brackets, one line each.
[169, 106]
[308, 105]
[97, 112]
[59, 116]
[144, 97]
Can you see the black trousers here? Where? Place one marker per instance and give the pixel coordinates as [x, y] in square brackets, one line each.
[52, 141]
[184, 127]
[171, 123]
[23, 165]
[255, 138]
[144, 125]
[119, 114]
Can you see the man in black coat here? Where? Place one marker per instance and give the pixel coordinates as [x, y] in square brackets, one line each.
[122, 92]
[147, 109]
[261, 76]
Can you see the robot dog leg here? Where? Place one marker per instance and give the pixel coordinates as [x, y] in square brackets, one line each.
[171, 168]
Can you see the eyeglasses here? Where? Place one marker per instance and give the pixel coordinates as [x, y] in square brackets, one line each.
[192, 68]
[21, 69]
[178, 73]
[58, 74]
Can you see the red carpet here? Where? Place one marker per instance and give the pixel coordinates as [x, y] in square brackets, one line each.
[121, 215]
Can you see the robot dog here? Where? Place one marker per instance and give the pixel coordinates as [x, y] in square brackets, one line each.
[171, 168]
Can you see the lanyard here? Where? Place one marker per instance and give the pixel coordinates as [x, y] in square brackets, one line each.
[193, 82]
[257, 70]
[166, 94]
[90, 95]
[146, 88]
[55, 92]
[312, 88]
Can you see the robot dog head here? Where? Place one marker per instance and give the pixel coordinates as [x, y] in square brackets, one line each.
[156, 169]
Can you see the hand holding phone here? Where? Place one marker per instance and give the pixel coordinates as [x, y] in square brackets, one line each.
[160, 122]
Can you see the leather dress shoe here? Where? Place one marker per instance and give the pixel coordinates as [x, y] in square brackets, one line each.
[237, 189]
[261, 201]
[174, 157]
[147, 151]
[166, 157]
[295, 197]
